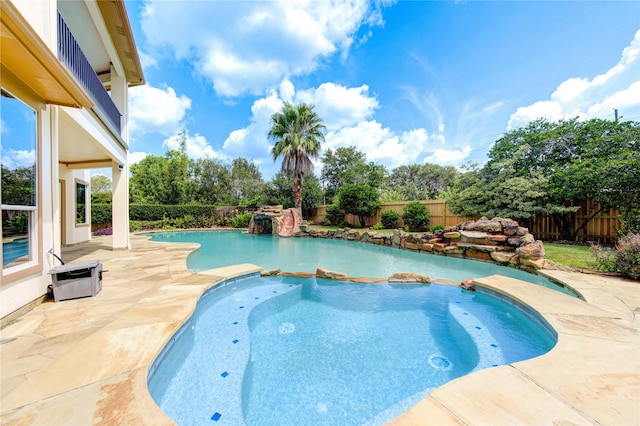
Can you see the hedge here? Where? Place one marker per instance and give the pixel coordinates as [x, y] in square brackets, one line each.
[159, 211]
[101, 213]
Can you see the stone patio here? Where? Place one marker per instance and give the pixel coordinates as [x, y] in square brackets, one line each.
[85, 361]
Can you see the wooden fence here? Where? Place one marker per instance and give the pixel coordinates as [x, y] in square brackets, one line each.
[602, 228]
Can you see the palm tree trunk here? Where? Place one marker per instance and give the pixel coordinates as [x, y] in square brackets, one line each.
[297, 193]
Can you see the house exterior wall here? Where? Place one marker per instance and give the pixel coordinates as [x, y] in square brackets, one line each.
[65, 125]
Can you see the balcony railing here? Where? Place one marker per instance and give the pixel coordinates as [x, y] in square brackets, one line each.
[71, 55]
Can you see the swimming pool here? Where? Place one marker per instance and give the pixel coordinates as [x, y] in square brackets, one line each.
[288, 350]
[223, 248]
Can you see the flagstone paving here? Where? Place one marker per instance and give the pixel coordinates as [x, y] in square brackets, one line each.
[85, 361]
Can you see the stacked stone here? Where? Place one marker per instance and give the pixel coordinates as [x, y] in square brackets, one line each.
[497, 240]
[500, 240]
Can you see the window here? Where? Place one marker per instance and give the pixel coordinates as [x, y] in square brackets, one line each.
[18, 190]
[81, 203]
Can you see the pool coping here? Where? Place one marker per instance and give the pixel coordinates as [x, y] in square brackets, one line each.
[85, 361]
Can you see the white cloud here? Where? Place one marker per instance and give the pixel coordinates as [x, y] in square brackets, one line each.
[16, 158]
[245, 47]
[346, 112]
[197, 146]
[251, 142]
[446, 157]
[340, 106]
[580, 97]
[147, 61]
[153, 109]
[136, 157]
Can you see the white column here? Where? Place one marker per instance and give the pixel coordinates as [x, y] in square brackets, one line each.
[120, 172]
[120, 206]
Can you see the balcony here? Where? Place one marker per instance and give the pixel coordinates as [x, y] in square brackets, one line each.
[70, 54]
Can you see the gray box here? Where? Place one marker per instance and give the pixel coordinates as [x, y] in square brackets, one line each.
[76, 280]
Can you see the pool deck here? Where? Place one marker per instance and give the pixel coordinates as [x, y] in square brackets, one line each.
[85, 361]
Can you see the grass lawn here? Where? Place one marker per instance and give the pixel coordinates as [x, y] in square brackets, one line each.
[574, 256]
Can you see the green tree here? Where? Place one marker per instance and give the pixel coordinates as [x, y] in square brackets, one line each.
[549, 167]
[421, 181]
[297, 132]
[100, 183]
[246, 183]
[19, 186]
[360, 200]
[100, 189]
[347, 165]
[279, 191]
[213, 182]
[164, 180]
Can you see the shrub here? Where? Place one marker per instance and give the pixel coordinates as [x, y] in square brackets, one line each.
[101, 213]
[624, 258]
[334, 215]
[359, 200]
[416, 216]
[604, 259]
[158, 211]
[628, 255]
[389, 219]
[436, 228]
[241, 220]
[103, 231]
[630, 220]
[378, 226]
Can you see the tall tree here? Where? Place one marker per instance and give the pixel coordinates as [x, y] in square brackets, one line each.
[555, 166]
[246, 182]
[213, 180]
[421, 181]
[348, 166]
[297, 132]
[164, 180]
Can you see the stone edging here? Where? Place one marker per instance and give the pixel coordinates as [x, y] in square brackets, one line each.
[497, 240]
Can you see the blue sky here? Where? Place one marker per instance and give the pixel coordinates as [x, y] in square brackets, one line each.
[405, 82]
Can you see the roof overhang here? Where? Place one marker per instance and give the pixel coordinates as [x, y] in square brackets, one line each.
[117, 22]
[30, 68]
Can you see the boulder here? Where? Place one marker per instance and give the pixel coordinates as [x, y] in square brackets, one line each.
[410, 246]
[453, 250]
[467, 284]
[409, 277]
[270, 272]
[485, 225]
[439, 246]
[498, 238]
[330, 275]
[478, 247]
[521, 240]
[534, 250]
[537, 263]
[477, 254]
[476, 237]
[396, 239]
[426, 247]
[502, 257]
[454, 235]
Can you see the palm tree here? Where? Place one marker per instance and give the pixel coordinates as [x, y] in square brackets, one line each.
[297, 131]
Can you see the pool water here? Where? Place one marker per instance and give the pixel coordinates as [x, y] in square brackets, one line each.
[14, 250]
[223, 248]
[291, 351]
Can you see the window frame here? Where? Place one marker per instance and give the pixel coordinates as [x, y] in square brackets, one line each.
[34, 264]
[84, 183]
